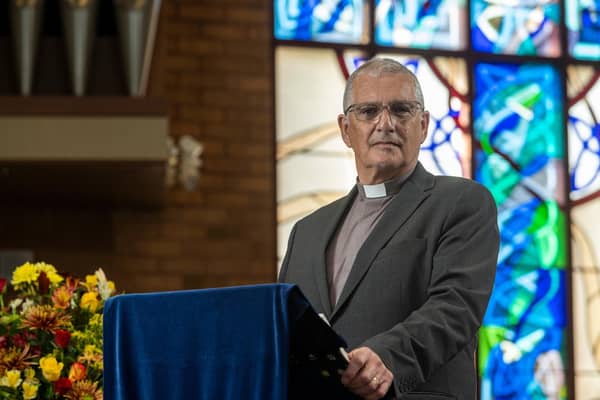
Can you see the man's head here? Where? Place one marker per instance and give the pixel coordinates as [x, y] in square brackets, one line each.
[383, 121]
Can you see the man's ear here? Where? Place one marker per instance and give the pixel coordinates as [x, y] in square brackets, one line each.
[424, 125]
[343, 125]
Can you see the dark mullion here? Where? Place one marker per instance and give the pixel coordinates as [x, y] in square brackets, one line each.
[566, 60]
[372, 51]
[321, 45]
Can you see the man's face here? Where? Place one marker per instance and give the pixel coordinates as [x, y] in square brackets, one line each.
[386, 146]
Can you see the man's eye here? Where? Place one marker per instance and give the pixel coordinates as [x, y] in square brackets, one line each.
[400, 109]
[369, 111]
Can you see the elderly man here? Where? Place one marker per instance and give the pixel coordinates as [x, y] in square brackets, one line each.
[403, 266]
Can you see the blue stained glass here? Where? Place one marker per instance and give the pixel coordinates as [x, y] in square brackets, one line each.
[340, 21]
[582, 18]
[518, 131]
[421, 23]
[523, 27]
[584, 135]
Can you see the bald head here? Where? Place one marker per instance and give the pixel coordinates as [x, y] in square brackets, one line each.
[377, 67]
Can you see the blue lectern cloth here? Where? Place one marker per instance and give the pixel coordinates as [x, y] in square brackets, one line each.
[217, 344]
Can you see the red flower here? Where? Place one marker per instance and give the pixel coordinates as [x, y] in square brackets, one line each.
[62, 337]
[77, 372]
[18, 340]
[43, 283]
[62, 386]
[3, 282]
[3, 342]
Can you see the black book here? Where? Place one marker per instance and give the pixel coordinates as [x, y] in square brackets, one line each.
[317, 359]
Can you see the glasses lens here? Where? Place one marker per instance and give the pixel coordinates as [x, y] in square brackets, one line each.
[403, 109]
[368, 111]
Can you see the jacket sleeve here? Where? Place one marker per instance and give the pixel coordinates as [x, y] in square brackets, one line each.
[462, 277]
[286, 259]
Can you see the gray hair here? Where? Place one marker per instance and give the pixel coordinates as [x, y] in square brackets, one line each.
[376, 67]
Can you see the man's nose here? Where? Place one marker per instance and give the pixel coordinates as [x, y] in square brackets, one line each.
[385, 120]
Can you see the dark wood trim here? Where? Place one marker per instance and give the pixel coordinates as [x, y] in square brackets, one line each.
[89, 105]
[90, 184]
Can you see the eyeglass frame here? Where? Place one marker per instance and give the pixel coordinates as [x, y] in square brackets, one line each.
[415, 106]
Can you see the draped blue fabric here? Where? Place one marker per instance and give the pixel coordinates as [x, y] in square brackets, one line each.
[228, 343]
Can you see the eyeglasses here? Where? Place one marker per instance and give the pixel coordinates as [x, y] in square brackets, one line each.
[402, 110]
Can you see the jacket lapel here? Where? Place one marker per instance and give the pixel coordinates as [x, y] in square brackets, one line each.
[330, 226]
[412, 194]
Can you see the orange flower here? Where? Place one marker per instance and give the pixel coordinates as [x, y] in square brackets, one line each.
[71, 284]
[62, 297]
[14, 358]
[84, 390]
[45, 318]
[77, 372]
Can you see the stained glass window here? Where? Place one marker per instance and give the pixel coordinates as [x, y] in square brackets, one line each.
[342, 21]
[583, 85]
[422, 24]
[582, 18]
[518, 129]
[498, 115]
[522, 27]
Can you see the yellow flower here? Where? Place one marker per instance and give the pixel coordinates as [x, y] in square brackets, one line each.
[29, 390]
[91, 282]
[29, 374]
[11, 379]
[50, 271]
[92, 355]
[91, 349]
[26, 273]
[96, 320]
[77, 335]
[50, 368]
[89, 301]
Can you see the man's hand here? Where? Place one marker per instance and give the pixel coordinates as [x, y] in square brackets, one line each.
[366, 375]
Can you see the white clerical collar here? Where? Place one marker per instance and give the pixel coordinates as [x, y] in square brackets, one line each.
[385, 189]
[374, 191]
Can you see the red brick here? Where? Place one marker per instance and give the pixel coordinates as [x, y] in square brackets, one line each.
[246, 14]
[202, 11]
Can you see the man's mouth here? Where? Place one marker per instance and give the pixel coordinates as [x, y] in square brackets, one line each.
[387, 144]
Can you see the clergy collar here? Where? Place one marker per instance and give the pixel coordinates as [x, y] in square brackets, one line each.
[380, 190]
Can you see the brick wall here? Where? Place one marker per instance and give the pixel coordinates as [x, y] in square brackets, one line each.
[213, 63]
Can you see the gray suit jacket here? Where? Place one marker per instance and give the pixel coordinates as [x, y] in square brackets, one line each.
[419, 286]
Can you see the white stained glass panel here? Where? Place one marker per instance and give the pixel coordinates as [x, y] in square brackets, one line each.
[314, 167]
[585, 253]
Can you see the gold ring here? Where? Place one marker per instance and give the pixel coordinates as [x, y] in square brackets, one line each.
[375, 380]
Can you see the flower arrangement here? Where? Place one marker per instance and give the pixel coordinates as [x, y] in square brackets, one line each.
[51, 335]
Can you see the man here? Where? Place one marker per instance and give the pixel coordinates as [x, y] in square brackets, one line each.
[403, 266]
